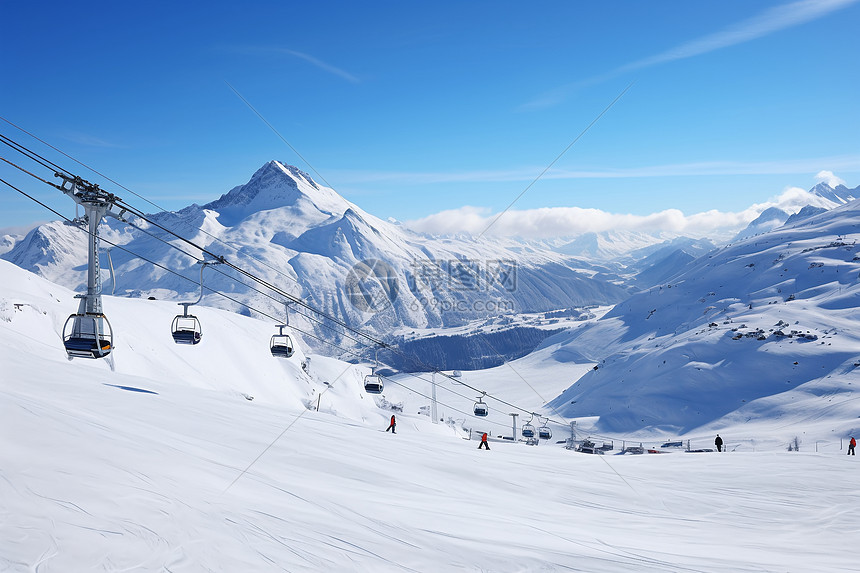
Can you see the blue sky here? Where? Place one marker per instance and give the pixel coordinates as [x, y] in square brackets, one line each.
[411, 110]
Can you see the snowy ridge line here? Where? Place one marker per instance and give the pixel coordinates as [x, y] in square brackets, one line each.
[254, 277]
[136, 212]
[27, 151]
[162, 267]
[380, 343]
[297, 300]
[259, 311]
[249, 286]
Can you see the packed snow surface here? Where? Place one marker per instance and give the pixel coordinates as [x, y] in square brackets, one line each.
[165, 463]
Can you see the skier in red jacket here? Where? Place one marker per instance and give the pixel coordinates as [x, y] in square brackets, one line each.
[484, 442]
[391, 425]
[851, 445]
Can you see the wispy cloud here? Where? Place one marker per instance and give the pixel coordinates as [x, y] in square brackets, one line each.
[274, 50]
[323, 66]
[829, 178]
[766, 23]
[550, 222]
[787, 166]
[88, 140]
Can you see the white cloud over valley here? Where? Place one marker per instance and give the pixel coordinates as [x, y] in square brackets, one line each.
[550, 222]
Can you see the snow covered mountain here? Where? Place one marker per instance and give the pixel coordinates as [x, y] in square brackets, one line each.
[820, 198]
[311, 242]
[166, 463]
[834, 196]
[769, 220]
[764, 328]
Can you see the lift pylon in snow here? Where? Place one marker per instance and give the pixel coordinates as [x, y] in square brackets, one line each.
[87, 333]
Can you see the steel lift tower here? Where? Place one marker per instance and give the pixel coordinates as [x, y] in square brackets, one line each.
[88, 334]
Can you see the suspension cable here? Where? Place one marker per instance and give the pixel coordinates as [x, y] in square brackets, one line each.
[370, 338]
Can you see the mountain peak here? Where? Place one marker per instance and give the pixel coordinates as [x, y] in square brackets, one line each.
[768, 220]
[838, 195]
[291, 170]
[276, 185]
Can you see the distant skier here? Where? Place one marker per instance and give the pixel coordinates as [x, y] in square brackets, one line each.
[484, 442]
[392, 425]
[851, 445]
[718, 441]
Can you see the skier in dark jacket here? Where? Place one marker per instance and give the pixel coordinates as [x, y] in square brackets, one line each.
[484, 442]
[851, 445]
[718, 441]
[391, 425]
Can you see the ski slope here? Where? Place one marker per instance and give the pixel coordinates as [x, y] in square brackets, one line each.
[165, 464]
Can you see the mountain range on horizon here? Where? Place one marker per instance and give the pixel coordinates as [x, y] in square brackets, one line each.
[699, 335]
[314, 244]
[758, 329]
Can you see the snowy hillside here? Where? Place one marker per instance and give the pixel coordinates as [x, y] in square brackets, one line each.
[764, 329]
[293, 232]
[33, 311]
[165, 464]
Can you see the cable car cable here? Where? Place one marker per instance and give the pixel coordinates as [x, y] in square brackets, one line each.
[249, 286]
[260, 312]
[136, 255]
[291, 297]
[395, 382]
[266, 314]
[486, 341]
[30, 154]
[143, 217]
[169, 270]
[160, 208]
[253, 277]
[382, 344]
